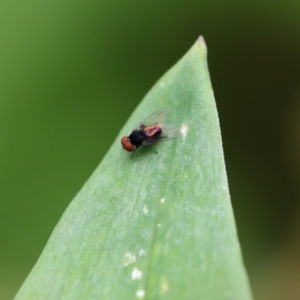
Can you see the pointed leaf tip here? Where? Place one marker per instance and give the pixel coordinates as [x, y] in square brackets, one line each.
[201, 39]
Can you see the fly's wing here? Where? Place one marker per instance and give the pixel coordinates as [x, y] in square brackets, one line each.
[168, 133]
[156, 118]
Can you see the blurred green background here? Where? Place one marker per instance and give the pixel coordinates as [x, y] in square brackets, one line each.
[71, 72]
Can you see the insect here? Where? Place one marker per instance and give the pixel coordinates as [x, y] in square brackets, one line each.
[150, 131]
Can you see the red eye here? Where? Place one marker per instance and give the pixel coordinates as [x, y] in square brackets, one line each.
[127, 144]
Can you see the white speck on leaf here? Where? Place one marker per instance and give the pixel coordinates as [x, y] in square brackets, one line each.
[184, 129]
[158, 225]
[145, 210]
[142, 252]
[140, 294]
[136, 274]
[162, 200]
[129, 258]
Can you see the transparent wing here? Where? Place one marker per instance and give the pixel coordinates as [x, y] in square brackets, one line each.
[168, 133]
[157, 117]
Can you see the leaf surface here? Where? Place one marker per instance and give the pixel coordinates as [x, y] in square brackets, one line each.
[157, 226]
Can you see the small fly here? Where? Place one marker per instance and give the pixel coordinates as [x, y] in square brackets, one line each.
[150, 131]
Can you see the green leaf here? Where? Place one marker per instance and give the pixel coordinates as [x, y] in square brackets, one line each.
[158, 226]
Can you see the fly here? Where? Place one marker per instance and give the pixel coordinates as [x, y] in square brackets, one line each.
[150, 131]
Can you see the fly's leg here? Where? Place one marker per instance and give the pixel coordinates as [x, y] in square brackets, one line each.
[152, 149]
[132, 153]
